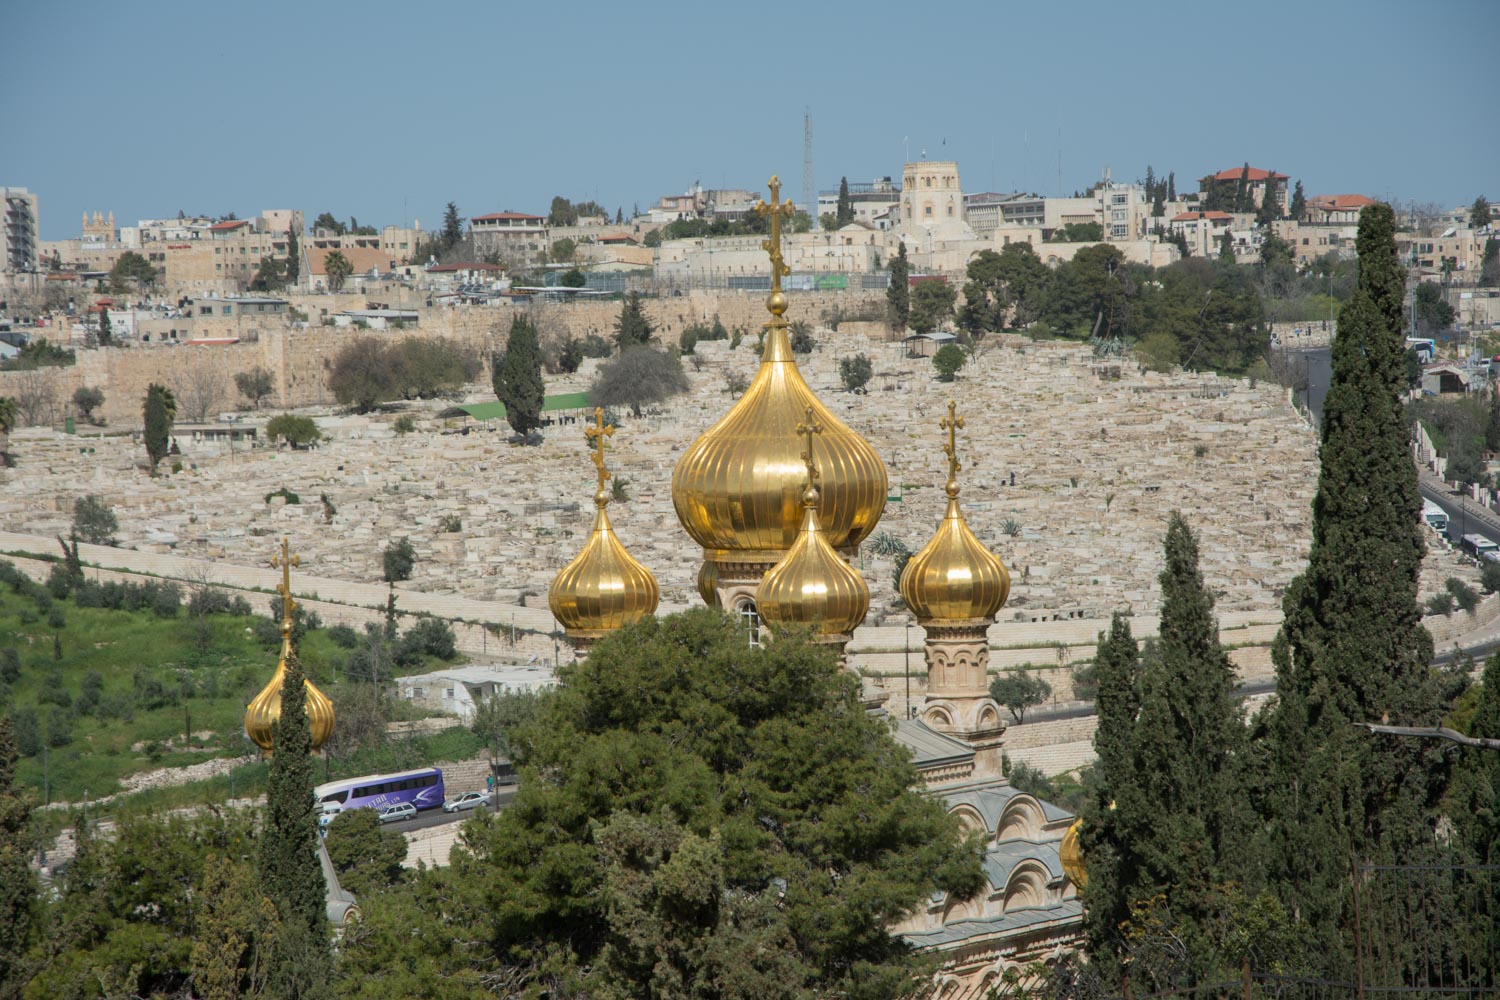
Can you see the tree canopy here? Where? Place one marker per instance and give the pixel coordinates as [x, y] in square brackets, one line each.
[518, 377]
[717, 820]
[639, 377]
[632, 329]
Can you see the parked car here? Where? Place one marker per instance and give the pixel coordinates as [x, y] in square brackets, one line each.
[398, 812]
[468, 800]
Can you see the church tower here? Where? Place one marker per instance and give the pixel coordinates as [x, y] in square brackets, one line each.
[955, 586]
[262, 714]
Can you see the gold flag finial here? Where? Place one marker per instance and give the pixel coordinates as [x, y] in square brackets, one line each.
[284, 561]
[598, 436]
[808, 428]
[951, 423]
[774, 212]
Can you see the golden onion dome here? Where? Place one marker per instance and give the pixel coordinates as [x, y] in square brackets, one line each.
[708, 582]
[954, 577]
[1070, 852]
[604, 587]
[812, 585]
[737, 488]
[262, 714]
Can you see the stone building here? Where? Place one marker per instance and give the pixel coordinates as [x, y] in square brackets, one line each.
[18, 231]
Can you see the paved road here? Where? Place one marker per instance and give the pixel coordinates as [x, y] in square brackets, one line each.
[437, 817]
[1465, 516]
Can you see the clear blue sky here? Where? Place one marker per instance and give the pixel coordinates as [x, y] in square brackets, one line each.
[387, 111]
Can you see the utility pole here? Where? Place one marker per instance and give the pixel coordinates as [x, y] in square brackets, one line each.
[809, 189]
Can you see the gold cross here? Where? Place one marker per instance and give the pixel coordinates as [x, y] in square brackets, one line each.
[951, 423]
[807, 430]
[284, 561]
[598, 436]
[775, 211]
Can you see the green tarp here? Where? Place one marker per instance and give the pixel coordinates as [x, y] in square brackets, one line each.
[496, 410]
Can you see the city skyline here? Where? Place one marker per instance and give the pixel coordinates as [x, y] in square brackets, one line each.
[222, 117]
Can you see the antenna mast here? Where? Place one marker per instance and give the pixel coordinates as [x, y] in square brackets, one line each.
[809, 191]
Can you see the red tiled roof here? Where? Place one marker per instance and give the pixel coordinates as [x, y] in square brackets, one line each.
[1342, 201]
[226, 226]
[618, 238]
[361, 258]
[1191, 216]
[1256, 174]
[499, 216]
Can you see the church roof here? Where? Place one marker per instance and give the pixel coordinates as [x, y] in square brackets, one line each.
[929, 747]
[1066, 912]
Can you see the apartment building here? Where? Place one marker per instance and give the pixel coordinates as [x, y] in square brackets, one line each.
[18, 234]
[515, 236]
[869, 200]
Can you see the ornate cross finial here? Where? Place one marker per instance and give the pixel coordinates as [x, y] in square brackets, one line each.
[284, 561]
[951, 423]
[775, 211]
[599, 435]
[808, 428]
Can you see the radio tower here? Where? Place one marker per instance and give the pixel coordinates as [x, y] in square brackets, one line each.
[809, 192]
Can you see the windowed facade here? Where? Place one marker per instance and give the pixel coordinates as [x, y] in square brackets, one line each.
[749, 620]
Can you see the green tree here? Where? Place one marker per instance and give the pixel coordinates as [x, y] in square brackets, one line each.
[18, 889]
[499, 718]
[255, 384]
[1298, 207]
[269, 276]
[289, 871]
[573, 278]
[398, 560]
[844, 212]
[1270, 202]
[106, 330]
[234, 934]
[1019, 690]
[326, 222]
[1113, 861]
[562, 213]
[518, 378]
[1434, 314]
[632, 329]
[985, 303]
[362, 375]
[133, 267]
[948, 360]
[1090, 293]
[898, 293]
[293, 268]
[294, 430]
[1025, 280]
[88, 399]
[159, 412]
[8, 410]
[1480, 214]
[931, 304]
[1226, 247]
[338, 269]
[1489, 267]
[366, 858]
[1352, 647]
[855, 372]
[563, 250]
[1078, 232]
[639, 377]
[94, 520]
[776, 834]
[453, 227]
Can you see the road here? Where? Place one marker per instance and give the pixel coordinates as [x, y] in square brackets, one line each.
[1463, 519]
[437, 817]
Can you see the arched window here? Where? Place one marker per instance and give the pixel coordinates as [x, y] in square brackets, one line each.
[750, 619]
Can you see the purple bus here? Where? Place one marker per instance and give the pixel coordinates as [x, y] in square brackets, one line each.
[422, 788]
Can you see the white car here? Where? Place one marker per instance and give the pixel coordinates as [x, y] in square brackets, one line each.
[398, 812]
[468, 800]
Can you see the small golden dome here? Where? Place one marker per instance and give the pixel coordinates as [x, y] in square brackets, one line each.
[265, 710]
[737, 488]
[1070, 852]
[812, 585]
[604, 587]
[954, 577]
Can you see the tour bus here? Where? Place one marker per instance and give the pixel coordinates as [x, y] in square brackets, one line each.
[1481, 548]
[1435, 516]
[422, 788]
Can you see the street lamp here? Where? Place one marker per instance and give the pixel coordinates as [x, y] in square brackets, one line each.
[906, 648]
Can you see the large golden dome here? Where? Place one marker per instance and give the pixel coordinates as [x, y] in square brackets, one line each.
[262, 714]
[604, 587]
[954, 577]
[812, 585]
[737, 489]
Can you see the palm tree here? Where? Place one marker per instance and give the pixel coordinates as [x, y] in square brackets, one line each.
[337, 267]
[7, 421]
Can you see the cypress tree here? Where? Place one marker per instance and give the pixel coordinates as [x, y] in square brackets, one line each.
[898, 295]
[293, 258]
[1270, 204]
[632, 329]
[290, 873]
[1113, 865]
[1226, 247]
[518, 378]
[1352, 647]
[1298, 207]
[17, 884]
[1172, 185]
[159, 412]
[844, 213]
[106, 330]
[1244, 199]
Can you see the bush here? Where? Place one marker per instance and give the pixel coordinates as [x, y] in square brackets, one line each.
[285, 494]
[240, 606]
[397, 560]
[167, 600]
[10, 665]
[435, 637]
[27, 730]
[855, 372]
[639, 377]
[451, 523]
[1440, 604]
[343, 636]
[1465, 596]
[948, 360]
[59, 582]
[88, 399]
[800, 335]
[404, 424]
[1489, 577]
[93, 520]
[295, 431]
[207, 601]
[369, 371]
[595, 346]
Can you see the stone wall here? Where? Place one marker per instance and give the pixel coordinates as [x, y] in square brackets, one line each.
[300, 359]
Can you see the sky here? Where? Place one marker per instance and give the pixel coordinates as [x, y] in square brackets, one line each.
[388, 111]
